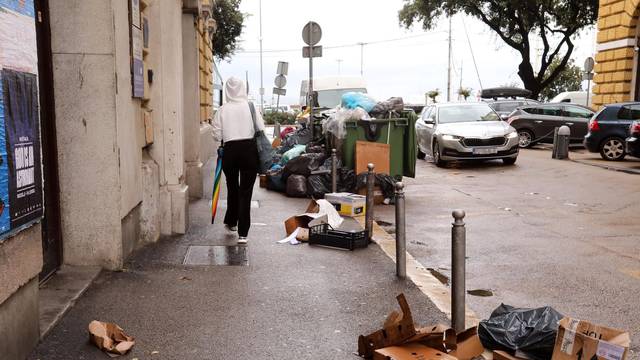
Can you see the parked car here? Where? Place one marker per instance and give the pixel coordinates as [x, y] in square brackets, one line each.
[505, 107]
[573, 97]
[465, 131]
[536, 123]
[633, 141]
[609, 128]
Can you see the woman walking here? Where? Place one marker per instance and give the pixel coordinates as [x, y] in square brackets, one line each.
[235, 124]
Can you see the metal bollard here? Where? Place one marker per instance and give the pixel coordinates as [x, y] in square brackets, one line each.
[458, 288]
[276, 130]
[401, 241]
[334, 171]
[561, 143]
[371, 181]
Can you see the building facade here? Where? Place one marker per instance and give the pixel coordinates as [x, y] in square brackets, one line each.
[616, 69]
[120, 85]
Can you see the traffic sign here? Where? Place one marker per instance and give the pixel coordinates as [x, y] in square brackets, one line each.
[280, 81]
[316, 52]
[587, 76]
[589, 63]
[278, 91]
[311, 33]
[283, 68]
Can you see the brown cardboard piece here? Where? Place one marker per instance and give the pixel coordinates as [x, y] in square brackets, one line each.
[110, 338]
[413, 351]
[503, 355]
[579, 339]
[378, 195]
[468, 345]
[375, 153]
[313, 216]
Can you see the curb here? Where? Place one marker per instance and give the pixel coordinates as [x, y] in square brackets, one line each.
[607, 167]
[439, 294]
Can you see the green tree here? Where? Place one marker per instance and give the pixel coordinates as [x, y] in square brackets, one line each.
[433, 94]
[230, 23]
[556, 22]
[570, 79]
[464, 92]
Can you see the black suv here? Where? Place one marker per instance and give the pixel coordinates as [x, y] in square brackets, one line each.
[609, 128]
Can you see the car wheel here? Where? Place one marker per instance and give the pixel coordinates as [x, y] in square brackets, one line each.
[421, 155]
[612, 149]
[509, 161]
[525, 138]
[436, 155]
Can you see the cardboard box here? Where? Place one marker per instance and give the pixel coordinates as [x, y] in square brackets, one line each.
[412, 351]
[378, 195]
[348, 204]
[263, 181]
[375, 153]
[503, 355]
[318, 212]
[579, 339]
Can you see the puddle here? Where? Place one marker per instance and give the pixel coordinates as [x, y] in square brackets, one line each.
[480, 292]
[216, 256]
[444, 279]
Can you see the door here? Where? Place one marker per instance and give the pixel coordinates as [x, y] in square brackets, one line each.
[577, 119]
[549, 119]
[51, 234]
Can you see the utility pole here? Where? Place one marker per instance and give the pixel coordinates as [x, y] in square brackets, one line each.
[449, 68]
[361, 58]
[460, 88]
[261, 74]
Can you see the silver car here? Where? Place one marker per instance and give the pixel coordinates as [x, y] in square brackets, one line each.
[465, 131]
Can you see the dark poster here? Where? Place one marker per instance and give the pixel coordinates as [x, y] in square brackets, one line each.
[22, 141]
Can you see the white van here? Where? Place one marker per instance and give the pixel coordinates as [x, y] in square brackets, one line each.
[574, 97]
[330, 89]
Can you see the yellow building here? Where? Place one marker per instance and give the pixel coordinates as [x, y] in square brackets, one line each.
[616, 67]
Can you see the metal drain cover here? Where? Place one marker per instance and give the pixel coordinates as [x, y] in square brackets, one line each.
[216, 255]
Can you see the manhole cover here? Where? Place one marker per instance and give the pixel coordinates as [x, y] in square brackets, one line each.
[216, 255]
[223, 204]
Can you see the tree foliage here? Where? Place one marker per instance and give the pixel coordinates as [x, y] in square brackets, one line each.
[433, 94]
[556, 22]
[570, 79]
[464, 92]
[230, 23]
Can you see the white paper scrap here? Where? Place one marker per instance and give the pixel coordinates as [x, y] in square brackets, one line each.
[291, 239]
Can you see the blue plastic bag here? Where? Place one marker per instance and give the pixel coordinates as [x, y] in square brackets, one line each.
[352, 100]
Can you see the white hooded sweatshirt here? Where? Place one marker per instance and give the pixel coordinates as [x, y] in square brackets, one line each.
[233, 120]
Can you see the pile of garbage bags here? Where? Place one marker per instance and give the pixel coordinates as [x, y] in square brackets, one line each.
[359, 106]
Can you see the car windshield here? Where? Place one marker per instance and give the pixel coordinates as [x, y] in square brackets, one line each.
[333, 98]
[466, 113]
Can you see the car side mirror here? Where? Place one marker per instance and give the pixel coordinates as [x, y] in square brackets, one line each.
[504, 117]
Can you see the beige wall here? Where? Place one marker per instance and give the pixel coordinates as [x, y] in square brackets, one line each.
[20, 260]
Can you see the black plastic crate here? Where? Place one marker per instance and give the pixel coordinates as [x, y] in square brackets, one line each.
[325, 235]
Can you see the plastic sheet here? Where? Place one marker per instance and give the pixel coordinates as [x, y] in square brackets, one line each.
[531, 331]
[352, 100]
[297, 186]
[335, 124]
[318, 185]
[392, 104]
[298, 137]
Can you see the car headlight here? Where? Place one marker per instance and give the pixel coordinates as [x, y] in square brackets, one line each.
[512, 135]
[451, 137]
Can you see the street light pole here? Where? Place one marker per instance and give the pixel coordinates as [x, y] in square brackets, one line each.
[449, 68]
[261, 73]
[361, 58]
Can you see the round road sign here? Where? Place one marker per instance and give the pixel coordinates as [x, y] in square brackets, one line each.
[588, 64]
[281, 81]
[312, 33]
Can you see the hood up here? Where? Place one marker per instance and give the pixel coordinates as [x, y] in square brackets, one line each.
[235, 90]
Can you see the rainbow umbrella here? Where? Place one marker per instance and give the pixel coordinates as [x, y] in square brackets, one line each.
[216, 186]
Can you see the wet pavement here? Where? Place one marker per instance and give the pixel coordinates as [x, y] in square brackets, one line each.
[274, 301]
[542, 232]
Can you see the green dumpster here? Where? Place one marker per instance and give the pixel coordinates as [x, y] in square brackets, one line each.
[398, 133]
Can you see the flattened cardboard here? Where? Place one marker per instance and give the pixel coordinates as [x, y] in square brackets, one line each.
[370, 152]
[110, 338]
[412, 351]
[468, 345]
[579, 339]
[503, 355]
[398, 328]
[439, 337]
[318, 212]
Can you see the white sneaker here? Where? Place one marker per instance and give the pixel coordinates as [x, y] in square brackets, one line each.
[231, 228]
[242, 240]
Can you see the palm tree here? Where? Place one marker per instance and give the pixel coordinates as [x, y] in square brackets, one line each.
[464, 92]
[433, 94]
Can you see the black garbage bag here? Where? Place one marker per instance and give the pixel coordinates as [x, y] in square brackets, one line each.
[318, 185]
[304, 164]
[312, 148]
[386, 183]
[346, 180]
[297, 186]
[298, 137]
[326, 166]
[276, 181]
[531, 331]
[392, 104]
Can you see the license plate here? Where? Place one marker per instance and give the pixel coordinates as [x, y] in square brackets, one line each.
[485, 151]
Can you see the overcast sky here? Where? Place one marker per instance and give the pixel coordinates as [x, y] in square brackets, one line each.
[407, 67]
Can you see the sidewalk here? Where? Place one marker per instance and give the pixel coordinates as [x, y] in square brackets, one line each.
[289, 302]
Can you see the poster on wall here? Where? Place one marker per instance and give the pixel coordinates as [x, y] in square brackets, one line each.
[21, 197]
[137, 63]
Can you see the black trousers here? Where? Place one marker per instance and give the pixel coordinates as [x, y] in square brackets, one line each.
[240, 164]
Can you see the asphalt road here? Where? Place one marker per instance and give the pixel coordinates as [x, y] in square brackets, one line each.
[541, 232]
[289, 302]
